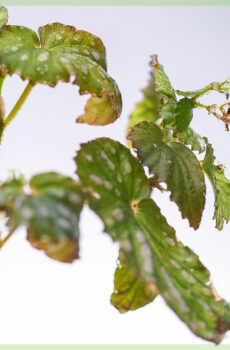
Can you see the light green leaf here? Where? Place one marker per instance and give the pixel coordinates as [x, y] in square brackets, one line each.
[175, 165]
[166, 94]
[50, 211]
[130, 291]
[221, 188]
[63, 52]
[163, 85]
[148, 108]
[3, 16]
[184, 113]
[221, 87]
[194, 94]
[119, 194]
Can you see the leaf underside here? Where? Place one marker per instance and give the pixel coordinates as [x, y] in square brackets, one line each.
[50, 213]
[175, 165]
[221, 188]
[61, 53]
[119, 193]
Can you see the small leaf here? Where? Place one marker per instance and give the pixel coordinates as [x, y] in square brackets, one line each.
[63, 52]
[147, 109]
[3, 16]
[50, 212]
[184, 113]
[194, 94]
[119, 194]
[221, 87]
[221, 188]
[163, 85]
[175, 165]
[160, 102]
[191, 138]
[131, 292]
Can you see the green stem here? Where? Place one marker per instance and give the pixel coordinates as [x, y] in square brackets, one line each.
[7, 237]
[1, 83]
[18, 105]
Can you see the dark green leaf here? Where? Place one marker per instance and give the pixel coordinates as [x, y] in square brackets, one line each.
[221, 188]
[63, 52]
[119, 194]
[184, 113]
[50, 211]
[130, 291]
[175, 165]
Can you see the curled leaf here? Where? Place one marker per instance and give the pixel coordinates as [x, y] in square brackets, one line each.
[58, 54]
[50, 211]
[220, 185]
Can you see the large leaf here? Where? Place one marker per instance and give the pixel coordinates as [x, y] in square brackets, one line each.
[175, 165]
[50, 208]
[118, 192]
[63, 52]
[130, 291]
[221, 187]
[3, 16]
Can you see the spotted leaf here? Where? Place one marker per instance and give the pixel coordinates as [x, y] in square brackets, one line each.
[118, 192]
[130, 291]
[221, 187]
[58, 54]
[50, 208]
[175, 165]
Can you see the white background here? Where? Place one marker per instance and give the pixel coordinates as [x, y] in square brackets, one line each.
[43, 301]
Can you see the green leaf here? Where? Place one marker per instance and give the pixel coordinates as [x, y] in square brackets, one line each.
[184, 113]
[63, 52]
[194, 94]
[130, 291]
[221, 87]
[175, 165]
[119, 194]
[163, 85]
[147, 109]
[160, 102]
[50, 211]
[191, 138]
[166, 94]
[221, 188]
[3, 16]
